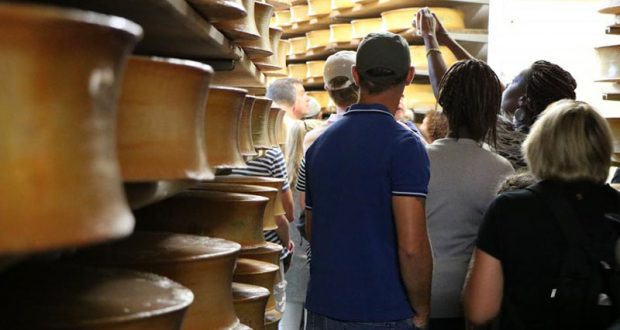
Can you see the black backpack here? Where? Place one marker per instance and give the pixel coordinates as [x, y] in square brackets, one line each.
[586, 294]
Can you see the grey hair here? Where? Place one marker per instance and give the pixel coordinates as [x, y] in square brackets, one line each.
[283, 92]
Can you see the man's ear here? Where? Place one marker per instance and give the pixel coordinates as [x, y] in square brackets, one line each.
[410, 75]
[356, 75]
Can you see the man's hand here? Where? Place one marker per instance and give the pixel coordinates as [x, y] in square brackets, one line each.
[420, 321]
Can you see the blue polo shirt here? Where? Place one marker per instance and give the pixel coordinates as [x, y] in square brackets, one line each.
[352, 171]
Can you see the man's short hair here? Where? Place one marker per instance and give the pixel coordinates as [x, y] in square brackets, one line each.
[570, 141]
[343, 97]
[282, 91]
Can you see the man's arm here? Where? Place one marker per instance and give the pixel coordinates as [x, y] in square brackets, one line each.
[414, 254]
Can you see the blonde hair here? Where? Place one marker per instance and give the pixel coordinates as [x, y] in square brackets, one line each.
[295, 151]
[570, 141]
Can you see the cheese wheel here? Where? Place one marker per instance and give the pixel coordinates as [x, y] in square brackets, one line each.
[298, 71]
[250, 302]
[340, 33]
[419, 97]
[362, 27]
[283, 18]
[319, 7]
[299, 14]
[315, 69]
[298, 45]
[317, 38]
[342, 4]
[202, 264]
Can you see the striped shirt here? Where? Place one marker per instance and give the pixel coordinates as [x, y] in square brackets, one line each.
[272, 165]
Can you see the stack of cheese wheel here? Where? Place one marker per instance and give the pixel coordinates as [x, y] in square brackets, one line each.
[299, 45]
[243, 28]
[284, 48]
[250, 302]
[272, 62]
[299, 14]
[420, 62]
[340, 34]
[273, 121]
[419, 97]
[260, 181]
[362, 27]
[317, 39]
[298, 71]
[261, 47]
[342, 4]
[281, 132]
[203, 264]
[263, 274]
[246, 144]
[59, 177]
[318, 8]
[77, 298]
[609, 63]
[268, 192]
[315, 69]
[235, 217]
[282, 18]
[322, 97]
[260, 123]
[160, 120]
[215, 10]
[224, 108]
[614, 124]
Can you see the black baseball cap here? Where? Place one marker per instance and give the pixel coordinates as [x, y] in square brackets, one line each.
[383, 50]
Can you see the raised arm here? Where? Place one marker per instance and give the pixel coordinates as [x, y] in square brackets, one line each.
[414, 254]
[433, 33]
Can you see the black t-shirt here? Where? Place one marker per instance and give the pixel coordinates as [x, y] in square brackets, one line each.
[520, 231]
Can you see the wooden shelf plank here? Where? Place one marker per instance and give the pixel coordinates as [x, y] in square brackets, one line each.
[315, 23]
[468, 35]
[611, 96]
[243, 73]
[613, 29]
[299, 2]
[171, 27]
[321, 53]
[376, 7]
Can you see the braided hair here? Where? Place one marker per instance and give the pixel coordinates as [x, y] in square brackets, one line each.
[470, 95]
[546, 83]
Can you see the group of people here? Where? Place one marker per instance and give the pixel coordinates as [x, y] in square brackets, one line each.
[411, 228]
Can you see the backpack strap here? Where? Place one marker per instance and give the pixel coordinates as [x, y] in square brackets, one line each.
[564, 214]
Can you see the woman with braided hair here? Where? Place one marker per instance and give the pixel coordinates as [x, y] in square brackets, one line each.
[530, 92]
[465, 177]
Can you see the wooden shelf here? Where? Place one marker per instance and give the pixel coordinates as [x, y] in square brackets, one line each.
[610, 10]
[171, 27]
[299, 2]
[321, 53]
[315, 23]
[240, 73]
[468, 35]
[376, 7]
[611, 96]
[613, 29]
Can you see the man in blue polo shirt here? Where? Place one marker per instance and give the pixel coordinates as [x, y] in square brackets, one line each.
[366, 182]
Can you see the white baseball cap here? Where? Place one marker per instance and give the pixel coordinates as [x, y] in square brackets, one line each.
[339, 65]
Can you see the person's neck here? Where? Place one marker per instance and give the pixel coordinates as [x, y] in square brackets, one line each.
[340, 110]
[291, 115]
[463, 133]
[389, 99]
